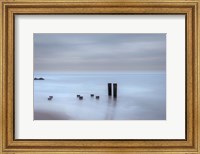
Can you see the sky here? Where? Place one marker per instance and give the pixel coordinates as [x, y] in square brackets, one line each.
[118, 52]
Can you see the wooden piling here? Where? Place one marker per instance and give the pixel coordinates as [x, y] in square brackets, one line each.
[81, 97]
[109, 89]
[97, 97]
[92, 95]
[115, 90]
[50, 98]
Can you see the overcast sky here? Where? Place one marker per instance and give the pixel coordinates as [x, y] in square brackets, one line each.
[99, 52]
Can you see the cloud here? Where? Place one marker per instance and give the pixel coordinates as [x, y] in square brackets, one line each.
[99, 52]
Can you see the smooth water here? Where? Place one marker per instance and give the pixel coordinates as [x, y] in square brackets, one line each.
[140, 97]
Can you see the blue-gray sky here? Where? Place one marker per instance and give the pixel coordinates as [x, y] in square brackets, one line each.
[99, 52]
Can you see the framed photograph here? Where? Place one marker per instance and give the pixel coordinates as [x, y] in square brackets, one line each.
[99, 76]
[84, 84]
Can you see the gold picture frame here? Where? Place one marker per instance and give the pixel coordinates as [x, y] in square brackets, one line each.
[9, 8]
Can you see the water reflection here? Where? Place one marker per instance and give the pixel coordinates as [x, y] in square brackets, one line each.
[111, 107]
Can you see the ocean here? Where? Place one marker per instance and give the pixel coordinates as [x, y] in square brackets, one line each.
[140, 96]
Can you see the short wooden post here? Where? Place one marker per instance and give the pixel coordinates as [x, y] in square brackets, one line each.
[81, 97]
[97, 97]
[109, 89]
[115, 90]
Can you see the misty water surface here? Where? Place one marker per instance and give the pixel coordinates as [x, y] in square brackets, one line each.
[140, 96]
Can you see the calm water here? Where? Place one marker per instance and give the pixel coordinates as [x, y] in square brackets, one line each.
[140, 97]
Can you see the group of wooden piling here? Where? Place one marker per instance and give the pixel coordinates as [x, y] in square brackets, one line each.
[114, 89]
[109, 92]
[91, 95]
[98, 97]
[80, 97]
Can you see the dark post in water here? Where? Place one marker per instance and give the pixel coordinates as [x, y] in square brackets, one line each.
[115, 90]
[109, 89]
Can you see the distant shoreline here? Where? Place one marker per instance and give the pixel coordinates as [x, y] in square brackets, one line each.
[96, 73]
